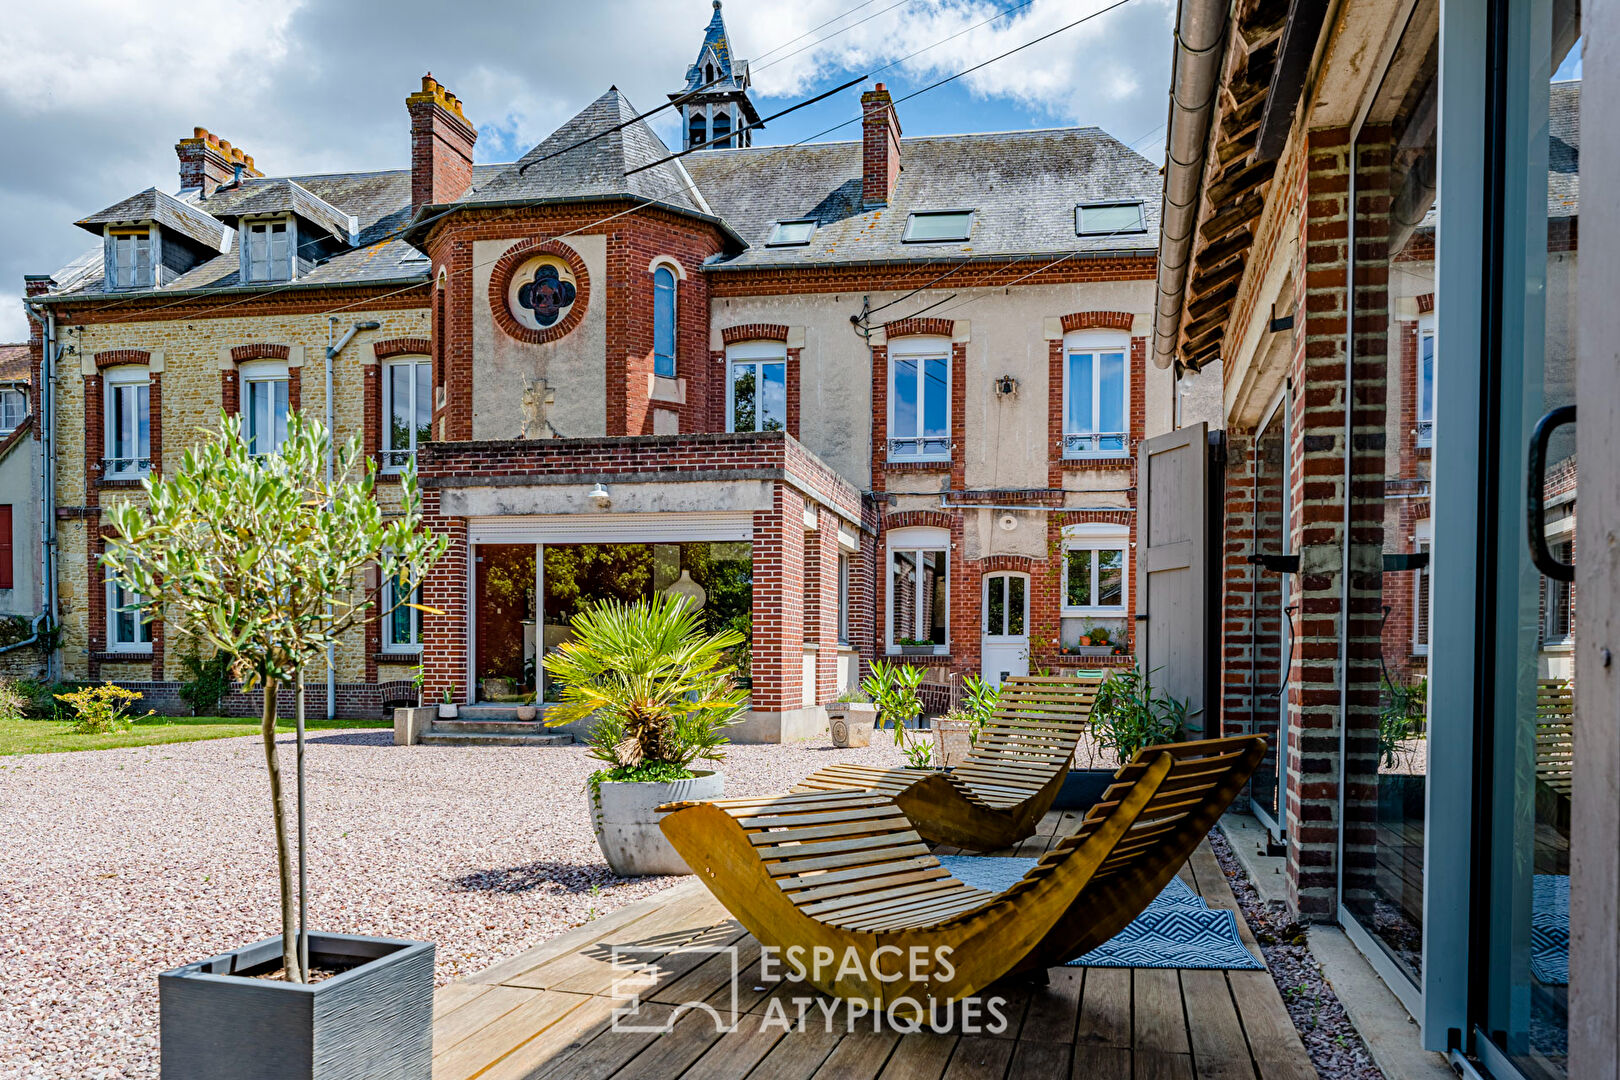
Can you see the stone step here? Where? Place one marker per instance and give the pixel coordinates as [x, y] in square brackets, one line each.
[482, 725]
[439, 738]
[486, 712]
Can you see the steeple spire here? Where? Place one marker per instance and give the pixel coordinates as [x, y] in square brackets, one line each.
[715, 102]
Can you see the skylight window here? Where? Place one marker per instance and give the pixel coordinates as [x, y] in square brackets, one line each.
[938, 226]
[1102, 219]
[791, 233]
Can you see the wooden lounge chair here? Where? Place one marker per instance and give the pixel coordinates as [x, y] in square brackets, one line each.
[1555, 735]
[844, 872]
[996, 797]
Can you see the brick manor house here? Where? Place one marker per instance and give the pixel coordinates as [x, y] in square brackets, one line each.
[861, 398]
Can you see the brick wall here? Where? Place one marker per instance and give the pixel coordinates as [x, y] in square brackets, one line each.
[777, 653]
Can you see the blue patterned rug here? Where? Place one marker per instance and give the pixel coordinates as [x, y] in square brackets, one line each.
[1549, 929]
[1178, 930]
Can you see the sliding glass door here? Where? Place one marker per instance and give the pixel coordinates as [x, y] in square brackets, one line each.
[1522, 931]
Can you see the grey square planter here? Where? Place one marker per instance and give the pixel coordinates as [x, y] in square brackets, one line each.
[371, 1022]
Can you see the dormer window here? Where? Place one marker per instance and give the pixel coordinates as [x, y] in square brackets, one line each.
[267, 250]
[1105, 219]
[791, 233]
[13, 408]
[938, 226]
[129, 257]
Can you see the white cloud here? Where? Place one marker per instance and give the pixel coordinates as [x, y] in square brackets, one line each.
[97, 92]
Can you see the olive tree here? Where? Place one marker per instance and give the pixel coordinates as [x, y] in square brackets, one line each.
[270, 561]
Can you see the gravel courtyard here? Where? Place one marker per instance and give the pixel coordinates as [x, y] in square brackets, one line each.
[119, 864]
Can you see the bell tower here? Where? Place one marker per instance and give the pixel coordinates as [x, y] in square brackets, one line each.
[715, 108]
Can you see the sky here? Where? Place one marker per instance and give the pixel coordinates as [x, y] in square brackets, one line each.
[97, 92]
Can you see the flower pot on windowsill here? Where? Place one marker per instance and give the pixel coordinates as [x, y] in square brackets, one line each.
[917, 650]
[850, 723]
[372, 1019]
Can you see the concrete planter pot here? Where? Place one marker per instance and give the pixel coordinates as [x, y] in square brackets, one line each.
[527, 713]
[626, 820]
[850, 723]
[449, 712]
[372, 1021]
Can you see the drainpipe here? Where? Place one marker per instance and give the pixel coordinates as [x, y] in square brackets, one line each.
[1195, 79]
[1344, 557]
[46, 422]
[332, 350]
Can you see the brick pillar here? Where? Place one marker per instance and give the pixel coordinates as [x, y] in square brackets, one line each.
[777, 653]
[445, 641]
[966, 614]
[821, 601]
[1319, 496]
[371, 412]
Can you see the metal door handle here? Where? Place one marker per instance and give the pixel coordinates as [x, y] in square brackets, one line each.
[1536, 496]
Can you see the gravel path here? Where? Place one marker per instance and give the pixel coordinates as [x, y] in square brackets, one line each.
[119, 864]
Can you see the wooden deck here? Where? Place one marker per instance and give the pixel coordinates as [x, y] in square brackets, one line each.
[547, 1013]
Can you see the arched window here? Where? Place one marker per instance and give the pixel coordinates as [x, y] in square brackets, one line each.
[664, 322]
[698, 130]
[722, 129]
[708, 73]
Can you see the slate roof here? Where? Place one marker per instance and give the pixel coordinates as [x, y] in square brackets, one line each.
[163, 208]
[1023, 187]
[597, 169]
[1564, 150]
[15, 363]
[279, 196]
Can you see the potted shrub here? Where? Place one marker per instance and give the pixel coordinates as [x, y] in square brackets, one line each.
[893, 689]
[1128, 715]
[266, 559]
[850, 718]
[448, 709]
[660, 690]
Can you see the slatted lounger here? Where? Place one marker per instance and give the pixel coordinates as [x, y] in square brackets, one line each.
[1555, 734]
[999, 794]
[844, 871]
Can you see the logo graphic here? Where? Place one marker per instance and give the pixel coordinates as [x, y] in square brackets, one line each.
[637, 970]
[547, 295]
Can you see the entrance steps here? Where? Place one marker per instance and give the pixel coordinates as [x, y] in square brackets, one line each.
[492, 725]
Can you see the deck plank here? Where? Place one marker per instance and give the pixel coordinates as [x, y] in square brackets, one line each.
[801, 1055]
[1101, 1063]
[922, 1056]
[473, 1055]
[1219, 1049]
[979, 1057]
[736, 1052]
[1105, 1008]
[1159, 1025]
[858, 1056]
[1055, 1009]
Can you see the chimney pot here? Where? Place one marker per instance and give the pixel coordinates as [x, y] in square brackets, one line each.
[207, 161]
[441, 145]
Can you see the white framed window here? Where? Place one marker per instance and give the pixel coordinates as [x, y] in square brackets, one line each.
[402, 626]
[128, 629]
[1106, 219]
[407, 408]
[664, 321]
[127, 408]
[267, 250]
[1096, 394]
[920, 399]
[129, 257]
[791, 233]
[13, 408]
[1422, 542]
[264, 405]
[918, 597]
[938, 226]
[1559, 618]
[1424, 376]
[1096, 569]
[756, 386]
[1006, 605]
[843, 599]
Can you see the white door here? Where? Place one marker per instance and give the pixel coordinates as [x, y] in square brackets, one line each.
[1004, 647]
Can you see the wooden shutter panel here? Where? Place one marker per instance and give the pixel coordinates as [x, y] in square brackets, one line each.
[6, 581]
[1173, 608]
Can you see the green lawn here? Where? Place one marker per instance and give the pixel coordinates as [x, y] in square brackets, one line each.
[58, 736]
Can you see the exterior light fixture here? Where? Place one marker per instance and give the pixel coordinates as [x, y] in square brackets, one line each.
[599, 494]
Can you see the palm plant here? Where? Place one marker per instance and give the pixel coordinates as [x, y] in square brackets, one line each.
[659, 687]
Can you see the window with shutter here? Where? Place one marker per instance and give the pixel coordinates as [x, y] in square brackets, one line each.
[269, 251]
[6, 581]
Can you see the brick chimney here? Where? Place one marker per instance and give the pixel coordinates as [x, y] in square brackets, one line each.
[880, 150]
[441, 146]
[207, 161]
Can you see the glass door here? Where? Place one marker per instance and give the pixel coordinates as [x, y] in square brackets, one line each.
[1273, 614]
[1522, 934]
[1004, 647]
